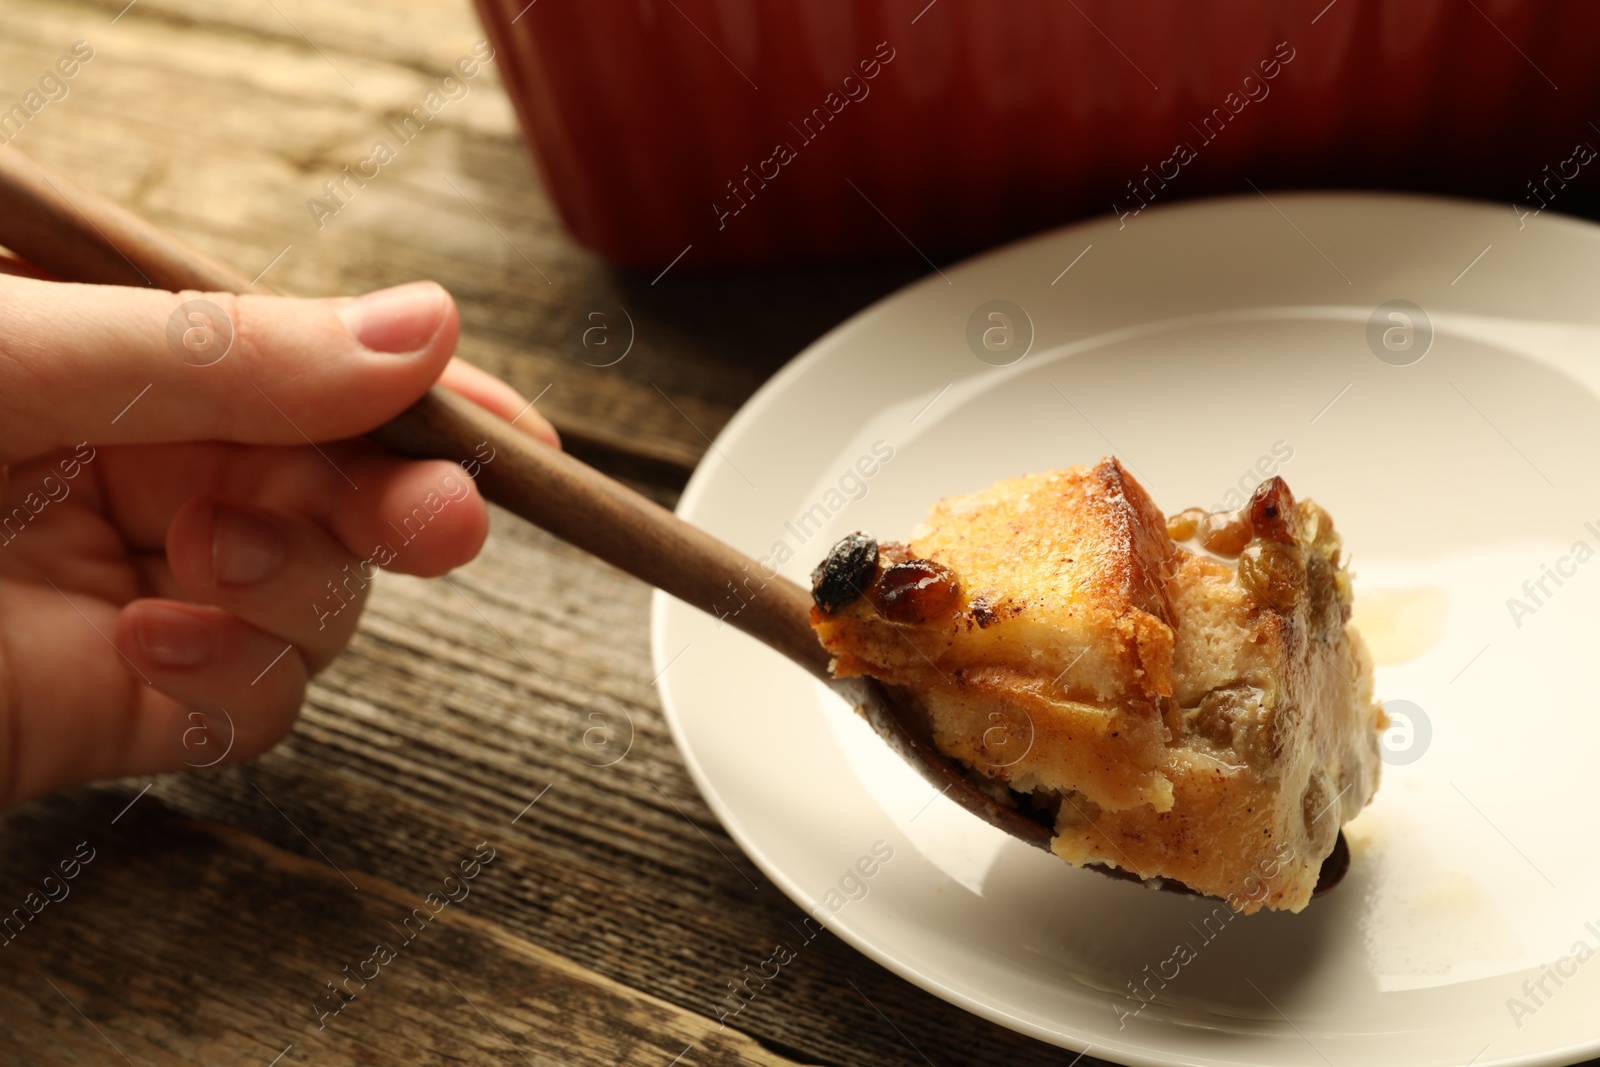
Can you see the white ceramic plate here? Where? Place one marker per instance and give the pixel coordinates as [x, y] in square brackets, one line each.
[1202, 344]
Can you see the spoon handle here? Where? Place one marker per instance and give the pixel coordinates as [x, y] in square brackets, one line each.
[605, 518]
[79, 235]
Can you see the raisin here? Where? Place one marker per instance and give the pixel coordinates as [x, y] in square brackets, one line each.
[916, 591]
[1225, 532]
[1182, 526]
[1275, 573]
[1319, 810]
[1234, 717]
[844, 575]
[1272, 512]
[1328, 612]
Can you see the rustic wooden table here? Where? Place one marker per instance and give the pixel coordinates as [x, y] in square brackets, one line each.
[220, 904]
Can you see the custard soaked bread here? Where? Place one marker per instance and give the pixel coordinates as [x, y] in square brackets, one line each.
[1184, 698]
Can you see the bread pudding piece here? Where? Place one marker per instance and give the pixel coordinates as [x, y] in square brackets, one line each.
[1184, 699]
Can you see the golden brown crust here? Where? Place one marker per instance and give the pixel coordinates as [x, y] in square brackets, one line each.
[1079, 552]
[1140, 558]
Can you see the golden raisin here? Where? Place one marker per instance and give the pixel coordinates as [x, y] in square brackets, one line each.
[1225, 532]
[1184, 524]
[1274, 573]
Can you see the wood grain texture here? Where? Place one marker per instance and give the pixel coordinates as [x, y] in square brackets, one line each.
[177, 980]
[616, 910]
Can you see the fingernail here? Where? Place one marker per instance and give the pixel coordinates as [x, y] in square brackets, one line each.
[172, 638]
[244, 549]
[401, 319]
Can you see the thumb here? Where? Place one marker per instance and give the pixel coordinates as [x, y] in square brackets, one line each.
[112, 365]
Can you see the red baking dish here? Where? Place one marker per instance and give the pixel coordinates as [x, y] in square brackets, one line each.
[748, 131]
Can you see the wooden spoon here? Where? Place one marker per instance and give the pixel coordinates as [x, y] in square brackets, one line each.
[80, 236]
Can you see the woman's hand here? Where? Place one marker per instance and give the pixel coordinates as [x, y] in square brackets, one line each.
[186, 539]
